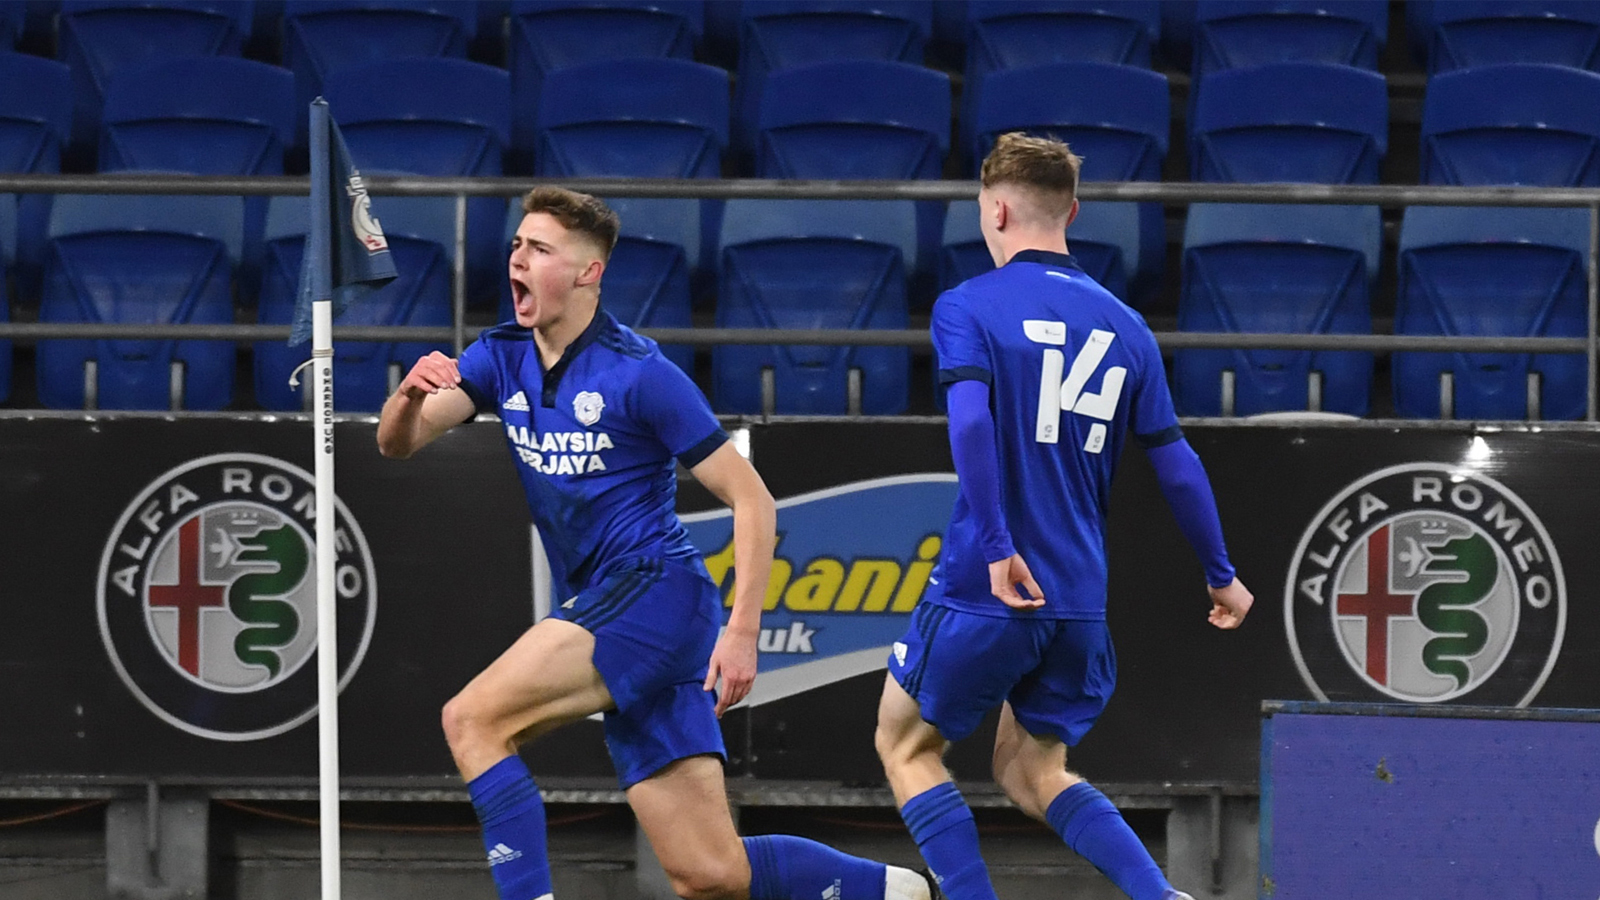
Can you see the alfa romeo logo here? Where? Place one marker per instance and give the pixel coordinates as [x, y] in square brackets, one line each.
[207, 596]
[1426, 583]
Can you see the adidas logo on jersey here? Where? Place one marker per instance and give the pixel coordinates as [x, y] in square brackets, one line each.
[517, 403]
[500, 853]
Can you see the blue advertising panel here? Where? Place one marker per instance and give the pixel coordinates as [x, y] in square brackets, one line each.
[851, 562]
[1402, 801]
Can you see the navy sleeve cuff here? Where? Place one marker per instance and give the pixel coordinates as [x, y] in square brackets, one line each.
[697, 454]
[483, 404]
[965, 373]
[1160, 438]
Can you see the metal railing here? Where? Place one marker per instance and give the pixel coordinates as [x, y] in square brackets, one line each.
[1176, 193]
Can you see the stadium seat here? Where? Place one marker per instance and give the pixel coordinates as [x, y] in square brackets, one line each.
[96, 38]
[1233, 34]
[549, 35]
[203, 115]
[814, 264]
[1276, 268]
[443, 117]
[1116, 117]
[420, 235]
[1104, 239]
[144, 260]
[647, 279]
[854, 119]
[779, 34]
[1009, 34]
[1492, 271]
[648, 118]
[321, 37]
[1462, 34]
[1512, 124]
[35, 123]
[1310, 122]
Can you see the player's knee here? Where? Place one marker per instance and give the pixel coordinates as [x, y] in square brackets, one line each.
[462, 725]
[707, 880]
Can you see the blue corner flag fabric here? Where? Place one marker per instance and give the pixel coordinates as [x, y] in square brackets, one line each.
[346, 254]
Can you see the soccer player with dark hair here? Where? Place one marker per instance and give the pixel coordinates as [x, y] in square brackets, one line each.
[1045, 372]
[596, 417]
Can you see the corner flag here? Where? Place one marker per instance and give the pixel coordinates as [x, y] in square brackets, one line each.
[346, 254]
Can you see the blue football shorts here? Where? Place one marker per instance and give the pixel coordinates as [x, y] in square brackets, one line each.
[655, 623]
[1056, 673]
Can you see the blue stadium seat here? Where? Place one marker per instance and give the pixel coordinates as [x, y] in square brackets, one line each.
[854, 119]
[1493, 272]
[203, 115]
[1313, 122]
[649, 118]
[435, 117]
[1104, 239]
[549, 35]
[146, 260]
[1512, 124]
[1009, 34]
[647, 280]
[419, 235]
[779, 34]
[1116, 117]
[1232, 34]
[814, 264]
[1462, 34]
[35, 123]
[321, 37]
[1271, 268]
[96, 38]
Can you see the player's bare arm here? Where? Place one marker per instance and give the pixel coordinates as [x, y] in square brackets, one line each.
[1229, 604]
[427, 404]
[731, 479]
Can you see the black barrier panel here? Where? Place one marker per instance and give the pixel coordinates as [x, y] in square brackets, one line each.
[1389, 566]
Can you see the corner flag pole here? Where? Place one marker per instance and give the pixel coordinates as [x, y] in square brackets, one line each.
[318, 243]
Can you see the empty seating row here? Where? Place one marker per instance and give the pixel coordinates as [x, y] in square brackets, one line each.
[844, 264]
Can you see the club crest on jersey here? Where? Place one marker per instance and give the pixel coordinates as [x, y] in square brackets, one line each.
[207, 596]
[587, 406]
[1426, 583]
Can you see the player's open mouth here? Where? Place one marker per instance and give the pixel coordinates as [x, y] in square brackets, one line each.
[519, 293]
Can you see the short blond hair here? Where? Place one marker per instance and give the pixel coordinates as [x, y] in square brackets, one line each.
[1045, 167]
[583, 213]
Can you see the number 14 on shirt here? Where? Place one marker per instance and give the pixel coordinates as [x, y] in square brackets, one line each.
[1057, 396]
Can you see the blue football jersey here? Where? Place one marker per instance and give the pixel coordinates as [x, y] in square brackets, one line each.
[1070, 369]
[594, 440]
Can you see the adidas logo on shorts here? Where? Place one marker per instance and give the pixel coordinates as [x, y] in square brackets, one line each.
[500, 853]
[517, 403]
[899, 653]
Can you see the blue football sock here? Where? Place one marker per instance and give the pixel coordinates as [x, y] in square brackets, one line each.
[1096, 831]
[943, 828]
[784, 867]
[512, 814]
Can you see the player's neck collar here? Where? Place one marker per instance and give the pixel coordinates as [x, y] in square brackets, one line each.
[1045, 257]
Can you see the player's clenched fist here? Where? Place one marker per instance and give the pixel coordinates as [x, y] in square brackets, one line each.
[432, 373]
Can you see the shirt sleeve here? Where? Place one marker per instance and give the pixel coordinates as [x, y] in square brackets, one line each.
[960, 351]
[480, 376]
[673, 407]
[1151, 416]
[977, 460]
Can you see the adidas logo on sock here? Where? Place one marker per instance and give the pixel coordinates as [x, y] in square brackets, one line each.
[834, 891]
[517, 403]
[500, 853]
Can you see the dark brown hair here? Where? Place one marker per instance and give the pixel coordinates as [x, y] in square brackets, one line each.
[582, 213]
[1045, 166]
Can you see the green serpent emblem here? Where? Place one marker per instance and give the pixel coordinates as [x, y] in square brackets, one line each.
[252, 598]
[1441, 606]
